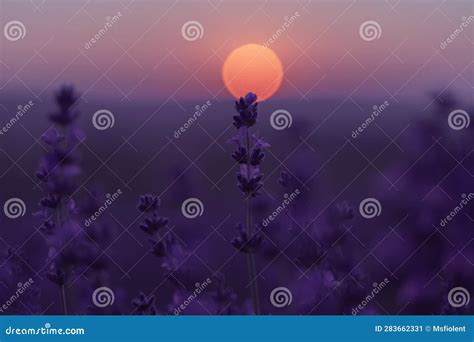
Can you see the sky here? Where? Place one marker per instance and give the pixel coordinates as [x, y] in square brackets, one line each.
[144, 55]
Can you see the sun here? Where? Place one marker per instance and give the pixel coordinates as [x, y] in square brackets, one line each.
[254, 68]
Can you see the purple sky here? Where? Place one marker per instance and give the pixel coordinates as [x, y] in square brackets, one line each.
[143, 56]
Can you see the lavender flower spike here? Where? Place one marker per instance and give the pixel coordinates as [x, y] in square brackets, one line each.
[249, 155]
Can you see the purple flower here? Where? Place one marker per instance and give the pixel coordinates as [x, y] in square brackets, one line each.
[240, 155]
[48, 226]
[159, 247]
[247, 109]
[51, 201]
[148, 203]
[249, 187]
[52, 137]
[66, 97]
[257, 156]
[245, 244]
[259, 142]
[153, 224]
[250, 98]
[56, 275]
[285, 179]
[144, 305]
[345, 211]
[163, 244]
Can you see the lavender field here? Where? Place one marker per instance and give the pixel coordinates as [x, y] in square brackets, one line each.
[169, 195]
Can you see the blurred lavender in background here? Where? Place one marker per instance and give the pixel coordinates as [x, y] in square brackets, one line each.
[365, 186]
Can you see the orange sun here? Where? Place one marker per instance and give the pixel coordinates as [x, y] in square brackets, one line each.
[254, 68]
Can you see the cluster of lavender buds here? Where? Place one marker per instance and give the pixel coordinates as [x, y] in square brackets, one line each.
[246, 243]
[164, 244]
[249, 154]
[144, 305]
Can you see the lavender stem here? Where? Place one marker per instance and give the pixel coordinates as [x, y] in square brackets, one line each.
[250, 233]
[62, 288]
[63, 298]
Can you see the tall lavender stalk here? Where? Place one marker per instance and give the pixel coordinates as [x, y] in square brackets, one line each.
[59, 170]
[248, 155]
